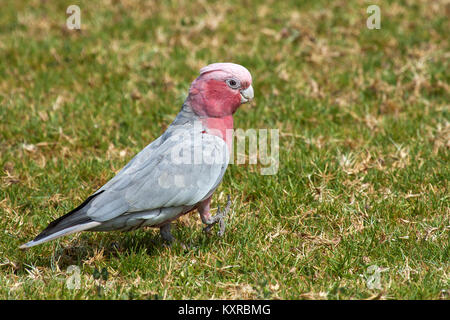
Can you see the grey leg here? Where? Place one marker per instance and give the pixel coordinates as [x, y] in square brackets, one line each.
[168, 237]
[218, 218]
[166, 234]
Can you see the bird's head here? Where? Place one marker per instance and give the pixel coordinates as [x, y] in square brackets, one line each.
[220, 89]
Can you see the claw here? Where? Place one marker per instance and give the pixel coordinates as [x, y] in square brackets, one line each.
[218, 218]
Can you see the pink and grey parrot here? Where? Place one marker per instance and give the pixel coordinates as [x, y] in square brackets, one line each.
[174, 174]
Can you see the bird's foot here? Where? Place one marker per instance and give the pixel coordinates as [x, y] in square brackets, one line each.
[218, 218]
[168, 238]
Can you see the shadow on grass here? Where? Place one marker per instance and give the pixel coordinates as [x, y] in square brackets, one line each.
[89, 245]
[118, 245]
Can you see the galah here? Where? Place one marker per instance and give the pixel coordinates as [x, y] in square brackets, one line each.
[176, 173]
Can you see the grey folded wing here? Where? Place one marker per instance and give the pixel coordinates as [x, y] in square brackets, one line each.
[173, 171]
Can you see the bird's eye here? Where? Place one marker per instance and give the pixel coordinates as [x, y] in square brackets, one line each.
[233, 83]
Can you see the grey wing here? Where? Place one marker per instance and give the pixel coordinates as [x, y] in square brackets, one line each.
[173, 172]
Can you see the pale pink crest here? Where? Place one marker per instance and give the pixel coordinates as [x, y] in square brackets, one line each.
[234, 69]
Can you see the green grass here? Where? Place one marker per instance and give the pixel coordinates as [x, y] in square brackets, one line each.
[364, 147]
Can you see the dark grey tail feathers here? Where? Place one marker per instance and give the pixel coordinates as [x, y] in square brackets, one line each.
[75, 217]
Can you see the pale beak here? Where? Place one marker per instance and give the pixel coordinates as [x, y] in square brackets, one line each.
[247, 95]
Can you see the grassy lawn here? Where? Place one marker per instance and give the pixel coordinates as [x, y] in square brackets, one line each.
[359, 208]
